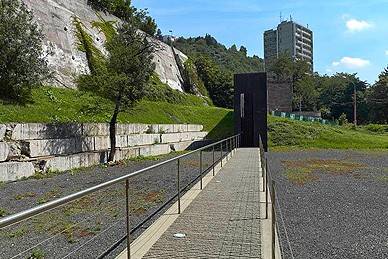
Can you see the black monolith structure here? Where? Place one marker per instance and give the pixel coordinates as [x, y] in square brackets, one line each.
[250, 108]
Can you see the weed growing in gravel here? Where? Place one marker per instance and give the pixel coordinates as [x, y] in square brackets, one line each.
[17, 233]
[48, 174]
[80, 170]
[3, 212]
[23, 196]
[155, 158]
[49, 196]
[384, 177]
[144, 201]
[303, 171]
[37, 254]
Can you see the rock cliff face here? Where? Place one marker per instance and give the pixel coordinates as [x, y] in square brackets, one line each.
[60, 44]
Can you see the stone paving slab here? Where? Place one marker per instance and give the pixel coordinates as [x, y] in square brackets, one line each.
[224, 220]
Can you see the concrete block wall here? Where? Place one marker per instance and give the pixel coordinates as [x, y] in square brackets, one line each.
[26, 148]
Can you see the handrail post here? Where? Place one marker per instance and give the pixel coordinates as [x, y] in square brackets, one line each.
[273, 219]
[227, 149]
[266, 193]
[200, 166]
[128, 219]
[264, 170]
[213, 163]
[179, 187]
[221, 154]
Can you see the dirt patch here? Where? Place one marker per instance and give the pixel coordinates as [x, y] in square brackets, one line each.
[303, 171]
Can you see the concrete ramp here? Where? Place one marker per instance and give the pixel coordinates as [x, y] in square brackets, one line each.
[223, 221]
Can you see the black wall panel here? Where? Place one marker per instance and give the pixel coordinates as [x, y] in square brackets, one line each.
[250, 108]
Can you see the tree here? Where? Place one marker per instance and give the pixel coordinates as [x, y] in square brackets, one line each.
[145, 22]
[299, 74]
[218, 82]
[159, 34]
[282, 67]
[244, 50]
[233, 48]
[377, 99]
[124, 10]
[22, 65]
[129, 68]
[337, 94]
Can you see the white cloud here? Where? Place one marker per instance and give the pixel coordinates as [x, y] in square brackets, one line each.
[386, 52]
[355, 25]
[351, 63]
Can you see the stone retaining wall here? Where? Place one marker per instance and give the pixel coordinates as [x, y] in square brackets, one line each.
[27, 148]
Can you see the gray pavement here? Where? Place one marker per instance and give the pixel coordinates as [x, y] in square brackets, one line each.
[224, 220]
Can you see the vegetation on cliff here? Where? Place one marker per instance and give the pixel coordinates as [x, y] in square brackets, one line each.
[124, 10]
[22, 65]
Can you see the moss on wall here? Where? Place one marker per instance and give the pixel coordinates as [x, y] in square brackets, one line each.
[106, 27]
[96, 60]
[194, 82]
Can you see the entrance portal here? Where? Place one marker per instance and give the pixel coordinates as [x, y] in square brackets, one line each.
[250, 108]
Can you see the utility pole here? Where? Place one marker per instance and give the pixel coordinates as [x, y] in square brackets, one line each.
[355, 105]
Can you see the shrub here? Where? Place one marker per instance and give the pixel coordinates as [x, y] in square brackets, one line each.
[342, 120]
[377, 128]
[22, 65]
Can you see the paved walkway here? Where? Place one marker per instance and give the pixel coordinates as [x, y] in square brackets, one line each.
[224, 220]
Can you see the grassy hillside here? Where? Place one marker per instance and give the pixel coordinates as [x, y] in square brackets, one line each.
[54, 105]
[285, 133]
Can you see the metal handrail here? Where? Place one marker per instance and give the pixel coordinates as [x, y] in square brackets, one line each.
[27, 214]
[268, 191]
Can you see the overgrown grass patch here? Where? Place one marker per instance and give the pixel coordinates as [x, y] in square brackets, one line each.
[22, 196]
[300, 176]
[286, 134]
[301, 172]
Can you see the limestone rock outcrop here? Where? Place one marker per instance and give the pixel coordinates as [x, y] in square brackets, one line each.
[60, 44]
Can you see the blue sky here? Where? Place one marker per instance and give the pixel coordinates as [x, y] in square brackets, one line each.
[349, 35]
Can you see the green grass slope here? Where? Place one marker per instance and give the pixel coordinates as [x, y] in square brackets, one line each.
[286, 133]
[54, 105]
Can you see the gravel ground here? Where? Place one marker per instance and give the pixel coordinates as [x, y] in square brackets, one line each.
[89, 226]
[334, 215]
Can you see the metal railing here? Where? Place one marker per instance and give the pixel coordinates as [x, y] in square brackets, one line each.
[268, 191]
[229, 144]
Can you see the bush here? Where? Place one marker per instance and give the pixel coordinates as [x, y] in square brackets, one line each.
[342, 120]
[125, 11]
[377, 128]
[22, 65]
